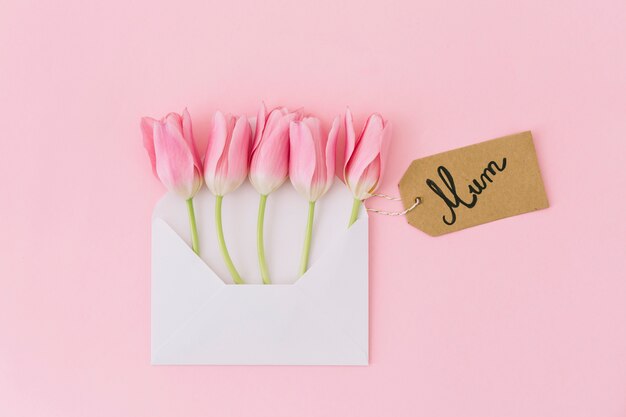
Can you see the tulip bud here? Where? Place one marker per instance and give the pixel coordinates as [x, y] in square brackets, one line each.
[226, 160]
[269, 164]
[312, 157]
[172, 151]
[365, 156]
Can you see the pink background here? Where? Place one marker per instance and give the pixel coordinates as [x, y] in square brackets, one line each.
[521, 317]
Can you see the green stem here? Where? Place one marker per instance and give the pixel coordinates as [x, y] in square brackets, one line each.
[220, 237]
[259, 241]
[192, 225]
[304, 260]
[356, 205]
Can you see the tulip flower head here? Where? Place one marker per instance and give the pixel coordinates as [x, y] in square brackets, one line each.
[269, 162]
[227, 155]
[312, 157]
[364, 158]
[173, 154]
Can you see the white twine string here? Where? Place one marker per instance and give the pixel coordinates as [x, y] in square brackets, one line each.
[387, 197]
[393, 213]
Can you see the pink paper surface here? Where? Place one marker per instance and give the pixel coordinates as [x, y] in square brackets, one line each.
[521, 317]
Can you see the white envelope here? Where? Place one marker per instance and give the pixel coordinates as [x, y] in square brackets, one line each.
[200, 317]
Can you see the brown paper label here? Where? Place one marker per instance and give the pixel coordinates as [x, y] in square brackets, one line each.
[474, 185]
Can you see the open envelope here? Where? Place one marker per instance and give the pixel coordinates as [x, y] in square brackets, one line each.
[198, 317]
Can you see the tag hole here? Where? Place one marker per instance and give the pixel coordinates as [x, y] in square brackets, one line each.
[418, 200]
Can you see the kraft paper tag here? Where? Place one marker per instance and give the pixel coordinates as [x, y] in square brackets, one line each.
[474, 185]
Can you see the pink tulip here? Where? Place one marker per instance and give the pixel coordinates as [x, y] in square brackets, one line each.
[311, 168]
[174, 157]
[173, 153]
[312, 157]
[226, 160]
[269, 164]
[365, 158]
[225, 168]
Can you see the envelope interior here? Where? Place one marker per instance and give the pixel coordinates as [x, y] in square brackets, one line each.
[285, 223]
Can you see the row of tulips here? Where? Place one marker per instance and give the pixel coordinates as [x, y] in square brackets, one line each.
[285, 143]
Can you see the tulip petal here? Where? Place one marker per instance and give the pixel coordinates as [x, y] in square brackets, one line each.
[275, 122]
[174, 162]
[174, 120]
[215, 150]
[188, 135]
[301, 157]
[331, 151]
[238, 154]
[221, 171]
[260, 126]
[217, 142]
[384, 148]
[350, 140]
[147, 128]
[319, 142]
[367, 148]
[367, 183]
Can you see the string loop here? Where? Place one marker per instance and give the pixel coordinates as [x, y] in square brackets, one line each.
[393, 213]
[387, 197]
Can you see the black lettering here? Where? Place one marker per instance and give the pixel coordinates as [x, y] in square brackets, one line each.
[448, 180]
[475, 188]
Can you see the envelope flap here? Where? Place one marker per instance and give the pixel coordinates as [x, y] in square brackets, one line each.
[321, 320]
[181, 282]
